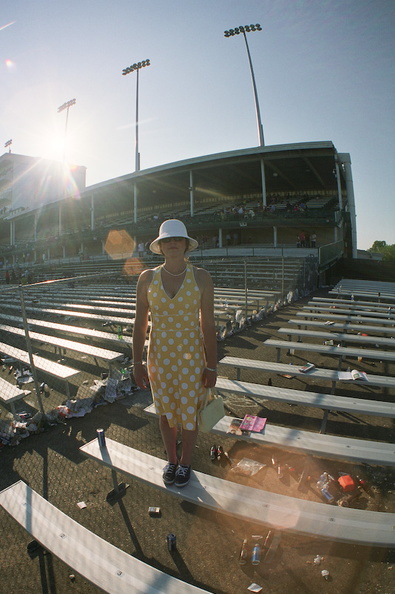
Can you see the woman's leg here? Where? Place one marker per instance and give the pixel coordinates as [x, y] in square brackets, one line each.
[189, 439]
[169, 437]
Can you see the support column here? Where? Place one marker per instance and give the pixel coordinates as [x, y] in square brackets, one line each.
[135, 202]
[92, 213]
[60, 219]
[35, 226]
[12, 232]
[346, 160]
[191, 194]
[263, 179]
[103, 251]
[220, 244]
[339, 185]
[274, 236]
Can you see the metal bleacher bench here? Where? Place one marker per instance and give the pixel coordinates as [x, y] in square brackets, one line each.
[344, 326]
[308, 442]
[332, 375]
[111, 569]
[348, 317]
[51, 367]
[324, 349]
[350, 311]
[71, 313]
[326, 402]
[339, 337]
[9, 394]
[62, 343]
[88, 333]
[369, 304]
[280, 512]
[123, 312]
[374, 295]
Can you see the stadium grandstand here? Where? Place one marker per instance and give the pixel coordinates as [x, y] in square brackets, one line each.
[314, 358]
[293, 201]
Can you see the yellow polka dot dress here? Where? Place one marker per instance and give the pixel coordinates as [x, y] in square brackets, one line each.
[175, 353]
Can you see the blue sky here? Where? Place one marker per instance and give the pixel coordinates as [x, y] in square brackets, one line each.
[325, 70]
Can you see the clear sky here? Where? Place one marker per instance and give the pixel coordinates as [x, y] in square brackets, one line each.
[325, 70]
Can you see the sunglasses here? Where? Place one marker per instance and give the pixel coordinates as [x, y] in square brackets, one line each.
[168, 239]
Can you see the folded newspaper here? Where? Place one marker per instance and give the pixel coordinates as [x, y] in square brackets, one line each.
[353, 375]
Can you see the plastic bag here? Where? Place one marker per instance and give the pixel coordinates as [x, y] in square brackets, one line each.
[248, 467]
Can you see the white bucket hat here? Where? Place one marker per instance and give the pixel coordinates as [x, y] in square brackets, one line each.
[172, 228]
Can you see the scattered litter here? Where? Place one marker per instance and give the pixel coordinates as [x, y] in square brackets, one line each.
[254, 587]
[12, 431]
[247, 467]
[325, 574]
[318, 559]
[81, 504]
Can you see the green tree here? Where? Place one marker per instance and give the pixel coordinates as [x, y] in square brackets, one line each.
[378, 246]
[387, 251]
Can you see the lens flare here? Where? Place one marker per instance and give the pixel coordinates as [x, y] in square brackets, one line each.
[119, 244]
[133, 267]
[7, 25]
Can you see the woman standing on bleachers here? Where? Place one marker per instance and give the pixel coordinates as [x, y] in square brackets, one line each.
[182, 351]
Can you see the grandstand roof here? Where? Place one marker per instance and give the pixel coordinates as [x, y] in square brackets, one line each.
[298, 168]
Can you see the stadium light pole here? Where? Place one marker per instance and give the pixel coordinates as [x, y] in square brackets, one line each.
[8, 143]
[243, 30]
[66, 106]
[136, 67]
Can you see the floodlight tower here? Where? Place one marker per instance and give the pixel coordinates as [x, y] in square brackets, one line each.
[243, 30]
[66, 106]
[136, 67]
[8, 143]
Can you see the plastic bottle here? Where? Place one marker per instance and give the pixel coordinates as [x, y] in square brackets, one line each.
[322, 481]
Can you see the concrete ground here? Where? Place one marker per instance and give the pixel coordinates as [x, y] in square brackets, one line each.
[208, 543]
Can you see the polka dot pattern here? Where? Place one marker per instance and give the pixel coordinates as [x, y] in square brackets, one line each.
[175, 353]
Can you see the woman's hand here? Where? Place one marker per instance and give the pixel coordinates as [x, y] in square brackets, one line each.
[209, 378]
[141, 376]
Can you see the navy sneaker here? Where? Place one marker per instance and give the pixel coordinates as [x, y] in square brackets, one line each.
[169, 473]
[183, 474]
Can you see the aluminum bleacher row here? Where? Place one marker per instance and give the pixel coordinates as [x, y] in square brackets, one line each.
[94, 323]
[85, 551]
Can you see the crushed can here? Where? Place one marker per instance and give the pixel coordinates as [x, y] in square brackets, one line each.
[171, 541]
[256, 555]
[328, 495]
